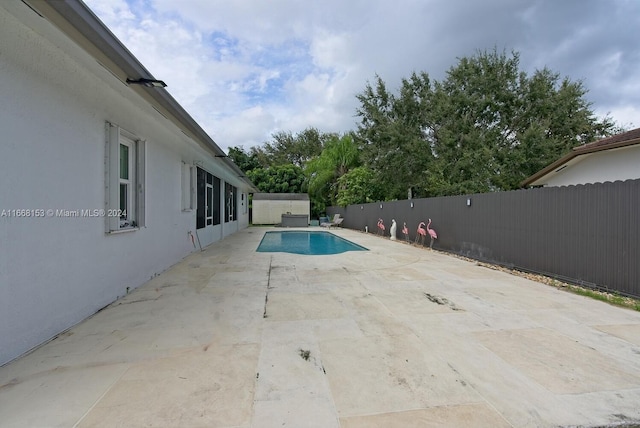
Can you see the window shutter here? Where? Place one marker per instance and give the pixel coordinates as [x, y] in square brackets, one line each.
[188, 187]
[141, 171]
[112, 223]
[192, 184]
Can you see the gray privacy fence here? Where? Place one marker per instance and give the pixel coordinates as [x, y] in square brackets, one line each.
[586, 234]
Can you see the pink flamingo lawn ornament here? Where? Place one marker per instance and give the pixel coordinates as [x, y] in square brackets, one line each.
[432, 234]
[380, 227]
[421, 233]
[405, 231]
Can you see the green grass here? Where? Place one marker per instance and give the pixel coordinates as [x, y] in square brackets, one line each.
[614, 299]
[608, 297]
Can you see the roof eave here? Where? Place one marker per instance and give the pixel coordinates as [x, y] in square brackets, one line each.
[577, 151]
[550, 168]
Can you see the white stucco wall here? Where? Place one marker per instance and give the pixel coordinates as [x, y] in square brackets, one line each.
[56, 271]
[599, 167]
[270, 212]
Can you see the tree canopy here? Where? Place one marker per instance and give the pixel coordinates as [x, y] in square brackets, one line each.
[245, 161]
[288, 148]
[486, 127]
[358, 186]
[279, 179]
[338, 157]
[276, 167]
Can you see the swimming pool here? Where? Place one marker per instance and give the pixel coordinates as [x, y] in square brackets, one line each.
[303, 242]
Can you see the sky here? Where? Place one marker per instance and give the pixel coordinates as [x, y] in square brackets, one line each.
[246, 69]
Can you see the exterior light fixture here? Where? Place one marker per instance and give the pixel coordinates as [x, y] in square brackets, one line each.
[149, 83]
[411, 204]
[468, 202]
[380, 206]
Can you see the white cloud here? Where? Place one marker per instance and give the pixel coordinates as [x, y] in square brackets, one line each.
[112, 10]
[247, 68]
[245, 127]
[627, 116]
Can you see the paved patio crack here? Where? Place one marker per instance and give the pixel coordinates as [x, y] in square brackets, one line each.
[266, 294]
[139, 301]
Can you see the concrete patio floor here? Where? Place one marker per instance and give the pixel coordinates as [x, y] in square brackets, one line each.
[394, 337]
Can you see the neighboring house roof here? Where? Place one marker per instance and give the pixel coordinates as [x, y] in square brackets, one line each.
[82, 26]
[280, 196]
[624, 139]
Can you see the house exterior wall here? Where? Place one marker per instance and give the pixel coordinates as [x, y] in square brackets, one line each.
[270, 212]
[56, 270]
[599, 167]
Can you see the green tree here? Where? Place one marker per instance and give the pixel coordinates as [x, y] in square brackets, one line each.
[392, 135]
[495, 125]
[279, 179]
[338, 157]
[358, 186]
[287, 148]
[485, 127]
[245, 161]
[277, 166]
[262, 158]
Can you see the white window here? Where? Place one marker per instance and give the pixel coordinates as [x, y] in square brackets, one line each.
[125, 180]
[188, 187]
[230, 204]
[210, 204]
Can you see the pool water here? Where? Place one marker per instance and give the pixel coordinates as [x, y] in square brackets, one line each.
[302, 242]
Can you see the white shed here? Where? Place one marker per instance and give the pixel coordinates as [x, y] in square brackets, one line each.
[268, 208]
